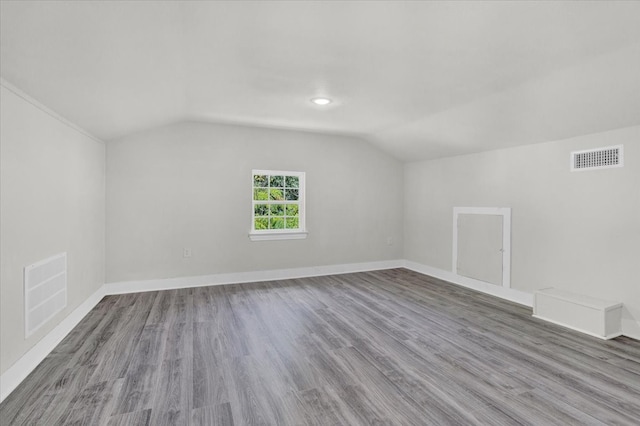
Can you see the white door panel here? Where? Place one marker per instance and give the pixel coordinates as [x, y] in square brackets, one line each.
[480, 247]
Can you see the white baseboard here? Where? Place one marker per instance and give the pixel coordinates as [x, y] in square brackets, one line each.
[11, 378]
[517, 296]
[124, 287]
[29, 361]
[581, 330]
[631, 328]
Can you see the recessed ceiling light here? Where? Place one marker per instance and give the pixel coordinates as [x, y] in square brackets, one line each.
[321, 101]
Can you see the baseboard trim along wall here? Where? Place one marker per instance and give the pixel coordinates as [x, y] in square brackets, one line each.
[29, 361]
[631, 328]
[247, 277]
[516, 296]
[11, 378]
[581, 330]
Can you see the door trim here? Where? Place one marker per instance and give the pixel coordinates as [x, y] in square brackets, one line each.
[505, 212]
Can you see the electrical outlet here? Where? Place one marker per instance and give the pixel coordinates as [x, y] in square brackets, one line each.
[186, 252]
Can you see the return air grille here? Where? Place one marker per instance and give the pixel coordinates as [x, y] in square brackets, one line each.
[600, 158]
[45, 291]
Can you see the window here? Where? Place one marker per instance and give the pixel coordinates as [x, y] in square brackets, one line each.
[277, 206]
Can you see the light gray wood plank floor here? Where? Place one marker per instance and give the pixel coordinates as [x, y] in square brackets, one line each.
[386, 347]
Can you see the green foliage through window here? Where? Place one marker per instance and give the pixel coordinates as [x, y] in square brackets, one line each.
[276, 202]
[276, 181]
[260, 194]
[261, 209]
[276, 223]
[276, 194]
[292, 209]
[277, 209]
[292, 181]
[291, 194]
[262, 223]
[260, 181]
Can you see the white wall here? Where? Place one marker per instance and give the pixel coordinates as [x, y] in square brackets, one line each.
[189, 185]
[578, 231]
[52, 200]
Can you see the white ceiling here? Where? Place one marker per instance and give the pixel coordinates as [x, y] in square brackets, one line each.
[419, 79]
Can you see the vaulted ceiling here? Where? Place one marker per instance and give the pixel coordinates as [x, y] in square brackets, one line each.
[419, 79]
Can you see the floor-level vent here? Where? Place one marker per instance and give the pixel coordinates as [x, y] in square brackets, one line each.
[45, 291]
[599, 158]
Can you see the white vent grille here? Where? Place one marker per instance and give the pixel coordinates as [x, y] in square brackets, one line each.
[45, 291]
[599, 158]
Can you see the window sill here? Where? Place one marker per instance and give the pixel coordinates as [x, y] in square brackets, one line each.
[270, 236]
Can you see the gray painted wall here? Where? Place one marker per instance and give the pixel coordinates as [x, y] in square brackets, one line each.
[579, 231]
[189, 186]
[52, 185]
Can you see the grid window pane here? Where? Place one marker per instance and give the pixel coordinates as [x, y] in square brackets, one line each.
[277, 201]
[261, 210]
[277, 209]
[262, 223]
[292, 181]
[260, 194]
[292, 209]
[276, 194]
[292, 223]
[276, 181]
[276, 223]
[291, 194]
[260, 180]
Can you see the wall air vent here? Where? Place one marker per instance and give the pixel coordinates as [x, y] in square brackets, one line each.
[45, 291]
[599, 158]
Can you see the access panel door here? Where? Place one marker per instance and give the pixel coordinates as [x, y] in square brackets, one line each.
[480, 248]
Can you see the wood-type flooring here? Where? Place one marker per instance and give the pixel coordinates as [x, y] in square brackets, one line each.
[387, 347]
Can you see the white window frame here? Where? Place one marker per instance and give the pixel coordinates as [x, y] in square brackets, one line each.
[280, 234]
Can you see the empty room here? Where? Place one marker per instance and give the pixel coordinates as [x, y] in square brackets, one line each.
[320, 212]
